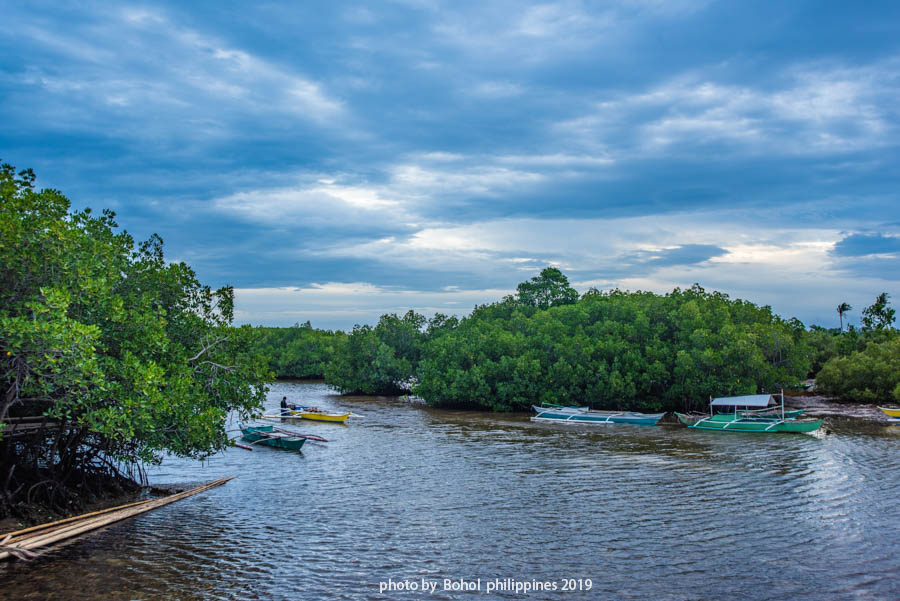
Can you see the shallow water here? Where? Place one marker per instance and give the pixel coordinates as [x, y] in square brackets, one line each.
[407, 493]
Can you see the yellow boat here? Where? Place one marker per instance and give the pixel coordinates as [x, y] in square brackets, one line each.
[311, 413]
[318, 415]
[891, 412]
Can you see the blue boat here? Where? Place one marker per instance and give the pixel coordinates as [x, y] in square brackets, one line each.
[580, 415]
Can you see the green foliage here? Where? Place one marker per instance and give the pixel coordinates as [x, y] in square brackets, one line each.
[614, 350]
[879, 316]
[822, 345]
[131, 354]
[300, 352]
[870, 375]
[383, 359]
[549, 289]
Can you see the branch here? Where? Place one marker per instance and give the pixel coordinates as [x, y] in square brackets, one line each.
[206, 348]
[215, 365]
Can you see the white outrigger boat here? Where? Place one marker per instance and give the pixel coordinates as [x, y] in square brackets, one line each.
[584, 415]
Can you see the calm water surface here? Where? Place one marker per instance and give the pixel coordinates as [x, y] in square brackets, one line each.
[408, 493]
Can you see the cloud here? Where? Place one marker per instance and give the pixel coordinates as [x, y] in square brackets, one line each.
[335, 304]
[429, 146]
[871, 256]
[861, 245]
[815, 109]
[687, 254]
[411, 192]
[152, 78]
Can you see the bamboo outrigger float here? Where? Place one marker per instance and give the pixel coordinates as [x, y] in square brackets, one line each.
[21, 543]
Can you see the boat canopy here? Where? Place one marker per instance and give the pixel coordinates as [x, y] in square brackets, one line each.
[750, 400]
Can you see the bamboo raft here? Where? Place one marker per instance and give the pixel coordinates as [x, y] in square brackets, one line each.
[21, 543]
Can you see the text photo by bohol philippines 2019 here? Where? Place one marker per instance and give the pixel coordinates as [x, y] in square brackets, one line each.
[438, 301]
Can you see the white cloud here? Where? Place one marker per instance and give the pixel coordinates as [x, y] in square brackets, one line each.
[164, 78]
[790, 269]
[411, 188]
[336, 305]
[313, 204]
[818, 109]
[496, 89]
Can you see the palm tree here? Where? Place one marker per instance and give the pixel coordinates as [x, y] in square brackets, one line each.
[841, 309]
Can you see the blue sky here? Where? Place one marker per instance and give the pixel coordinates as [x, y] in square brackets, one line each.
[335, 161]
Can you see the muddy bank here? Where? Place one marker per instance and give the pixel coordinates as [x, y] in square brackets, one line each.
[34, 514]
[823, 406]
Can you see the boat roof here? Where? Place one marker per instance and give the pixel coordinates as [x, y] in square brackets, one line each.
[750, 400]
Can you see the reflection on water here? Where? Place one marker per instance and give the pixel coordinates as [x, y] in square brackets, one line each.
[410, 493]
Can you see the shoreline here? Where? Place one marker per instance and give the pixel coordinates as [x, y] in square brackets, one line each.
[823, 406]
[36, 514]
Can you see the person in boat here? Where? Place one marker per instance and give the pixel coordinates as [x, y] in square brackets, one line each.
[284, 404]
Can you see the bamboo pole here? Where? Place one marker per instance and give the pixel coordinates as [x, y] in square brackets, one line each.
[298, 435]
[68, 531]
[85, 523]
[18, 533]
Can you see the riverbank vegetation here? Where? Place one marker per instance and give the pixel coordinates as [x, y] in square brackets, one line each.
[870, 375]
[385, 359]
[862, 365]
[614, 349]
[110, 356]
[299, 352]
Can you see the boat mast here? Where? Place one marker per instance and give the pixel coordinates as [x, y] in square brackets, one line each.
[782, 404]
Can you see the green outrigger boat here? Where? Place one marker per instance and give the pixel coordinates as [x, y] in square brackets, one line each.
[751, 413]
[270, 437]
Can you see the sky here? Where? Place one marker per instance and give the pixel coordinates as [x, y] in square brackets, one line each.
[337, 161]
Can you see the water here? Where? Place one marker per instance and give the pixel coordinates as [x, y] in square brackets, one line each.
[407, 493]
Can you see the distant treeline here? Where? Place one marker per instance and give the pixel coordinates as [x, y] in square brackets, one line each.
[613, 349]
[300, 352]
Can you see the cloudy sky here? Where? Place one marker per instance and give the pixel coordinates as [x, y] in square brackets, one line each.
[335, 161]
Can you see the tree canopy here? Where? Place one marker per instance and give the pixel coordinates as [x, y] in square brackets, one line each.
[121, 355]
[869, 375]
[379, 360]
[301, 351]
[879, 315]
[616, 349]
[549, 289]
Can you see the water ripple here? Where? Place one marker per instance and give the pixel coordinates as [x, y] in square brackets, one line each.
[413, 493]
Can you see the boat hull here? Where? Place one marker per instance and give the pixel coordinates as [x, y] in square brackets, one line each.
[727, 423]
[316, 416]
[260, 435]
[570, 415]
[891, 412]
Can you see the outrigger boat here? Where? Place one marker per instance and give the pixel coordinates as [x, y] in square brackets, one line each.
[894, 414]
[756, 416]
[583, 415]
[312, 413]
[271, 437]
